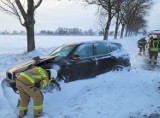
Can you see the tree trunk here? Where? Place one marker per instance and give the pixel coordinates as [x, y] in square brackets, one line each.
[129, 33]
[136, 32]
[122, 30]
[30, 21]
[127, 30]
[117, 27]
[30, 38]
[106, 31]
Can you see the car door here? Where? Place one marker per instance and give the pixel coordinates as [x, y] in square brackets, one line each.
[104, 58]
[84, 67]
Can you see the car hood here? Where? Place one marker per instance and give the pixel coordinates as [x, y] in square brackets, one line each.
[24, 65]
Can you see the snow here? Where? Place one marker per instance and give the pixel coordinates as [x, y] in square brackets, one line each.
[123, 94]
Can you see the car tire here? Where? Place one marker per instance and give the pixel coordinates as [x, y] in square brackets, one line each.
[118, 68]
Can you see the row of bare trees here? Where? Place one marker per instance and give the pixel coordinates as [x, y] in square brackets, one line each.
[129, 14]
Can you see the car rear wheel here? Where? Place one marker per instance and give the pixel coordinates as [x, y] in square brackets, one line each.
[118, 68]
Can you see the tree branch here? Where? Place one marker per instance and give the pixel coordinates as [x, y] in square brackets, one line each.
[19, 5]
[38, 4]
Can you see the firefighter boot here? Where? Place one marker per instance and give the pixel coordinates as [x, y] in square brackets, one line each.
[149, 61]
[38, 115]
[155, 62]
[25, 113]
[139, 53]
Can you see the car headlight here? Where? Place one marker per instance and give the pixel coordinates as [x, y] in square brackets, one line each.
[9, 76]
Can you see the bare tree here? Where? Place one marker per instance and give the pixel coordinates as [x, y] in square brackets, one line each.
[101, 22]
[139, 23]
[107, 7]
[118, 8]
[24, 11]
[133, 9]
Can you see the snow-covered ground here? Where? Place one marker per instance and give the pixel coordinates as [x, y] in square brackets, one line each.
[131, 94]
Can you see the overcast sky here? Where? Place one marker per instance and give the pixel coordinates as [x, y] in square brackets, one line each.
[53, 14]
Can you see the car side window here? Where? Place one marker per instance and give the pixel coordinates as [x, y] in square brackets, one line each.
[84, 50]
[100, 49]
[109, 49]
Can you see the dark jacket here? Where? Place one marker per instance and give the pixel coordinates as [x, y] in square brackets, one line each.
[141, 43]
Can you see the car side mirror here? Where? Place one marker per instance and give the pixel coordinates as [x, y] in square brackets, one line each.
[75, 57]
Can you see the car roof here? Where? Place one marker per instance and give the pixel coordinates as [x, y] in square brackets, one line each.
[96, 41]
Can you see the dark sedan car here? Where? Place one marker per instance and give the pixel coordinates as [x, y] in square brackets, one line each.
[79, 60]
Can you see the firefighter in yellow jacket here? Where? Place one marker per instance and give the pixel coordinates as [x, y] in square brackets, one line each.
[29, 84]
[153, 50]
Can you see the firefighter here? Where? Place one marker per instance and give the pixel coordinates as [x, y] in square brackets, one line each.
[153, 49]
[141, 45]
[29, 84]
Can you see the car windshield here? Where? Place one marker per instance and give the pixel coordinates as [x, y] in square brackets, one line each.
[62, 51]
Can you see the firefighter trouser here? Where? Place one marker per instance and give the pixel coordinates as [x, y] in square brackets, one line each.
[27, 91]
[153, 54]
[142, 49]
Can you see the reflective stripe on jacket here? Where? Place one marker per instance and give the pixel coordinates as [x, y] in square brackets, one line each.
[28, 76]
[34, 75]
[154, 45]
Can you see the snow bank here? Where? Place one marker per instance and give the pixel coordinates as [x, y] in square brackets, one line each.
[111, 95]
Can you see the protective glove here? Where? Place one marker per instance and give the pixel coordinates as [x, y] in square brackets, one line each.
[38, 85]
[50, 86]
[18, 103]
[13, 86]
[55, 85]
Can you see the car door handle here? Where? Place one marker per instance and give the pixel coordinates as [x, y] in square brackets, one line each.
[113, 57]
[92, 60]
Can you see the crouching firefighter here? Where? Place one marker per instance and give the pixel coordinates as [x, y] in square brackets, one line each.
[29, 83]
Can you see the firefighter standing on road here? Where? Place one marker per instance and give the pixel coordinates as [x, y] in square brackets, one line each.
[29, 84]
[153, 49]
[142, 45]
